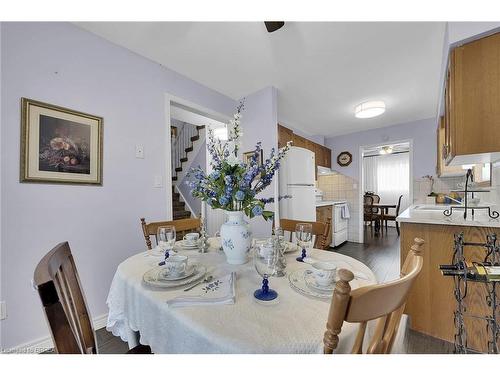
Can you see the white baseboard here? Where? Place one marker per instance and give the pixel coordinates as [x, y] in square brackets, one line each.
[43, 344]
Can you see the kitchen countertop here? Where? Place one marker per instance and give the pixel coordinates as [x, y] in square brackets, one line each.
[433, 214]
[329, 203]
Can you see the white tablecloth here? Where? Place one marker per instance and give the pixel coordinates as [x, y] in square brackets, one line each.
[295, 324]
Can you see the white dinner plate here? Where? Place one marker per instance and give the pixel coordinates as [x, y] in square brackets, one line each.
[312, 284]
[151, 278]
[298, 283]
[187, 245]
[164, 275]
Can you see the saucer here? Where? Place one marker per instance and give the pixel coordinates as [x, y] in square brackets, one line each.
[188, 245]
[150, 278]
[164, 275]
[311, 283]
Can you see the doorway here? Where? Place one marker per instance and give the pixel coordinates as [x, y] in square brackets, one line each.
[386, 186]
[188, 126]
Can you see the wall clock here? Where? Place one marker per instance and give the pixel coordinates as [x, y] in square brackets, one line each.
[344, 159]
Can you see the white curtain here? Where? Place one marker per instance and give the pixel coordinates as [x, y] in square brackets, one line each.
[388, 176]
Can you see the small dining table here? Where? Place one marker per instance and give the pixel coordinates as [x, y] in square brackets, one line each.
[384, 210]
[294, 323]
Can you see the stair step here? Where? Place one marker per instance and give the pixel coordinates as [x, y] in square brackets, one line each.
[189, 149]
[195, 138]
[174, 178]
[182, 215]
[179, 205]
[200, 127]
[183, 160]
[178, 169]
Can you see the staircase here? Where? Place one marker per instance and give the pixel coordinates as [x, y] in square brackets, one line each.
[179, 208]
[184, 149]
[182, 146]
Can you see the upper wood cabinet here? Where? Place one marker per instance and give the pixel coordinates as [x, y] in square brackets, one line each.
[443, 170]
[323, 155]
[285, 135]
[472, 101]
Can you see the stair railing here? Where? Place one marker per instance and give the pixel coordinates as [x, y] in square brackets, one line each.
[179, 145]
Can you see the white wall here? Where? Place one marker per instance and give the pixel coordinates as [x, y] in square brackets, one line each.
[259, 122]
[61, 64]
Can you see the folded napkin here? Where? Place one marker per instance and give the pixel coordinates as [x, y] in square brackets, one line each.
[220, 291]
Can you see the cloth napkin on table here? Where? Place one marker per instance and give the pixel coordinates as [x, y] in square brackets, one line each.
[220, 291]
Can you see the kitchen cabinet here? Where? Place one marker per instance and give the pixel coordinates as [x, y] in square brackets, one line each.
[472, 97]
[299, 141]
[322, 214]
[443, 170]
[285, 135]
[323, 155]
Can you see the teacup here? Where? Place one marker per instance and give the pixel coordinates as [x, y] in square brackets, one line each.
[324, 273]
[176, 264]
[191, 238]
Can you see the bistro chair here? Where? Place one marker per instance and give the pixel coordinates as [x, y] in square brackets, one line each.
[384, 302]
[182, 226]
[320, 231]
[370, 213]
[387, 218]
[59, 287]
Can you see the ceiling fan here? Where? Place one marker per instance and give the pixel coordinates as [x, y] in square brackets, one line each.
[272, 26]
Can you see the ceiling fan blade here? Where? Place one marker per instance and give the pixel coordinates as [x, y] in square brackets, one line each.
[272, 26]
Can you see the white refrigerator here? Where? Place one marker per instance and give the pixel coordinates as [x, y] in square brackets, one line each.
[297, 178]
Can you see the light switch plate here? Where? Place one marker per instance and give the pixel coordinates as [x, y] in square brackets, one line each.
[158, 181]
[3, 310]
[139, 151]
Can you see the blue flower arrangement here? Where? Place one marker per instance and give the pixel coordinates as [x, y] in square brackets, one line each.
[233, 185]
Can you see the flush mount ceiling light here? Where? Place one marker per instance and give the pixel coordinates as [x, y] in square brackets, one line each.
[386, 150]
[369, 109]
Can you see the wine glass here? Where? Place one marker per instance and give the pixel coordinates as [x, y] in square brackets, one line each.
[279, 238]
[303, 232]
[265, 259]
[166, 238]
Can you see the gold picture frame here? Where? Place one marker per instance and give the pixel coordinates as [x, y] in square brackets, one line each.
[60, 145]
[248, 155]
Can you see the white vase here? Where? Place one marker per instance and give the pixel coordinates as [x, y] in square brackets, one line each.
[235, 236]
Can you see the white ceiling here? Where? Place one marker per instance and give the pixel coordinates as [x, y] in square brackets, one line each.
[322, 69]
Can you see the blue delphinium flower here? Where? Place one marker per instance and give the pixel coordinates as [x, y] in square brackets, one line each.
[240, 195]
[223, 200]
[215, 175]
[257, 210]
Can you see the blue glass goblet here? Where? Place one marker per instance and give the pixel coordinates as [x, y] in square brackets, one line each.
[265, 259]
[303, 233]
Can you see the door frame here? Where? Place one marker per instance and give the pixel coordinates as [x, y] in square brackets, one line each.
[362, 181]
[197, 108]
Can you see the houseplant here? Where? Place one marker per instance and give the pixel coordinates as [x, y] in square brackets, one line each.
[233, 186]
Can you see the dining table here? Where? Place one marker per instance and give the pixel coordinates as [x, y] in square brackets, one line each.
[384, 210]
[293, 323]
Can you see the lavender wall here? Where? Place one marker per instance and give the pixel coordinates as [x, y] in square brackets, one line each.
[64, 65]
[259, 123]
[422, 132]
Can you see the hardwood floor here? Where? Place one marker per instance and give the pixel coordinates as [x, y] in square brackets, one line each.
[381, 254]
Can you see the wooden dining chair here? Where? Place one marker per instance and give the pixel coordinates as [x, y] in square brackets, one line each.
[319, 229]
[59, 287]
[370, 213]
[182, 226]
[387, 218]
[384, 302]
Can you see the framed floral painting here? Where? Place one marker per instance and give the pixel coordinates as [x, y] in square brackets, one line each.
[59, 145]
